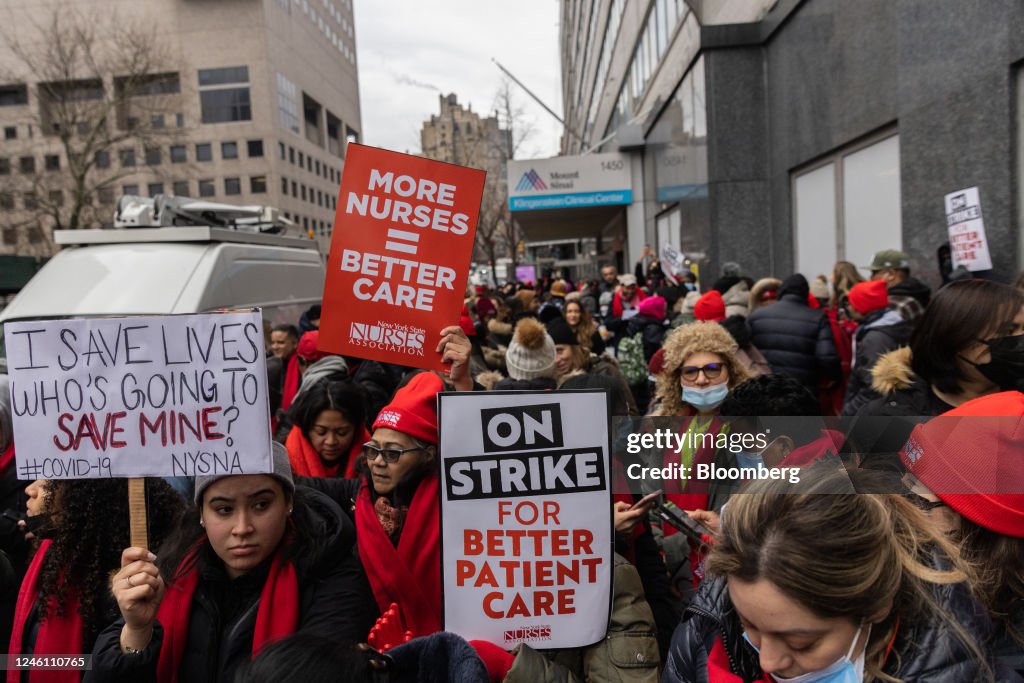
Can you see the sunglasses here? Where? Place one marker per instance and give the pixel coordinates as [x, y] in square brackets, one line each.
[711, 371]
[390, 455]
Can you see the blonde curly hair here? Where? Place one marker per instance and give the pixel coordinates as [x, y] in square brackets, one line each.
[683, 342]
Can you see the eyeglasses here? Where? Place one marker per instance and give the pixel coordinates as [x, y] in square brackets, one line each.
[923, 503]
[390, 455]
[711, 371]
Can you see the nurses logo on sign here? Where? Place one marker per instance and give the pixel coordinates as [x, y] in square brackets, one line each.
[387, 336]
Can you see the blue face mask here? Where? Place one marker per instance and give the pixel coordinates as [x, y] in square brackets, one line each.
[745, 459]
[843, 670]
[707, 399]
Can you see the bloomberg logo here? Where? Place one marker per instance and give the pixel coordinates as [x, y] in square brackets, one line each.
[530, 181]
[527, 633]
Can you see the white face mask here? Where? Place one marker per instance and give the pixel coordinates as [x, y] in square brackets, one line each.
[843, 670]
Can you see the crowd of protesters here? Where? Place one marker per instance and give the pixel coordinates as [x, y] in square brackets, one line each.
[894, 559]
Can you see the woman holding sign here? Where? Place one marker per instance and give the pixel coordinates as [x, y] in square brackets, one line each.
[64, 602]
[255, 560]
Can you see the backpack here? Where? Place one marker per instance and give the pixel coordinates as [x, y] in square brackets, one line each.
[630, 355]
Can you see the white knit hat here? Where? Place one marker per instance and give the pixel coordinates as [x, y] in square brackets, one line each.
[531, 353]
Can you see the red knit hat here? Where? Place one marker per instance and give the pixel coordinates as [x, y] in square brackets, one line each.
[307, 349]
[869, 296]
[710, 307]
[466, 322]
[972, 459]
[413, 409]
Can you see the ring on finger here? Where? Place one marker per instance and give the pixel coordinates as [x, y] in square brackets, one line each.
[128, 580]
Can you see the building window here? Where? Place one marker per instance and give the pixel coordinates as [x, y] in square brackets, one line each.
[6, 202]
[179, 120]
[127, 157]
[295, 189]
[5, 166]
[155, 188]
[284, 186]
[291, 155]
[255, 148]
[224, 94]
[105, 194]
[30, 201]
[56, 197]
[229, 150]
[10, 133]
[13, 95]
[129, 189]
[27, 165]
[258, 184]
[302, 160]
[51, 162]
[280, 151]
[206, 188]
[309, 164]
[204, 151]
[848, 205]
[180, 188]
[153, 156]
[287, 103]
[232, 186]
[312, 115]
[302, 188]
[316, 165]
[178, 154]
[157, 121]
[102, 159]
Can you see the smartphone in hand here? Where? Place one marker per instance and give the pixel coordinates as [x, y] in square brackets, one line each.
[649, 499]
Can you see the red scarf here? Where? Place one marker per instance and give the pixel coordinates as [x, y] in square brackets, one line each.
[719, 669]
[57, 635]
[410, 574]
[7, 457]
[292, 378]
[306, 462]
[276, 618]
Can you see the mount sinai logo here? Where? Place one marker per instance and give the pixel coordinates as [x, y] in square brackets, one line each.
[530, 181]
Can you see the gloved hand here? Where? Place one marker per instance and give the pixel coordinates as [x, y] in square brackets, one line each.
[389, 631]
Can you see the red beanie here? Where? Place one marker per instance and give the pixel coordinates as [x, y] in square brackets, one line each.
[656, 365]
[868, 296]
[413, 409]
[466, 322]
[971, 458]
[307, 349]
[710, 307]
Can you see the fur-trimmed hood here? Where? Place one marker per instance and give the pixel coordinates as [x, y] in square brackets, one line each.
[488, 379]
[767, 284]
[495, 326]
[892, 372]
[682, 343]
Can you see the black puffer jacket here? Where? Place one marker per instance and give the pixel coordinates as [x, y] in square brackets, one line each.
[927, 653]
[796, 340]
[881, 331]
[334, 602]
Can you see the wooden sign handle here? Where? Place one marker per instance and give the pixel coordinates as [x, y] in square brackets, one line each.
[137, 523]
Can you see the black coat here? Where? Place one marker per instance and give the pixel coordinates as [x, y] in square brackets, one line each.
[335, 601]
[928, 652]
[873, 339]
[796, 340]
[651, 330]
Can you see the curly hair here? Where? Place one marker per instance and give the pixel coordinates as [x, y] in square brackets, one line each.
[89, 521]
[683, 342]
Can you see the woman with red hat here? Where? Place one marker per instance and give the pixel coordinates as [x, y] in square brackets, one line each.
[966, 468]
[396, 504]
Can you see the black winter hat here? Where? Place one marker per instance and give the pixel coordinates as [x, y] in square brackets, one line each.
[561, 333]
[795, 284]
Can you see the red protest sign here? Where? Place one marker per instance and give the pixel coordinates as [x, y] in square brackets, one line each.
[399, 261]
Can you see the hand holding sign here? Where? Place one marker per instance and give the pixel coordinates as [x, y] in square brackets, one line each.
[455, 348]
[138, 589]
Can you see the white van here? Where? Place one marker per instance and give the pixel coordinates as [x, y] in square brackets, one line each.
[183, 269]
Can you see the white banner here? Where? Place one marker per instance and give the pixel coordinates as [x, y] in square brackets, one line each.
[526, 520]
[139, 397]
[673, 263]
[967, 241]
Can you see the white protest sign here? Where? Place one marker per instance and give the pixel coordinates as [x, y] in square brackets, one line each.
[139, 397]
[673, 263]
[967, 241]
[526, 528]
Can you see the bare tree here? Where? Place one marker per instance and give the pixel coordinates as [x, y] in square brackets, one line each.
[102, 89]
[496, 225]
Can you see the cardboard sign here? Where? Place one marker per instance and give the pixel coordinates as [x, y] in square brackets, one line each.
[967, 241]
[154, 396]
[400, 253]
[526, 527]
[673, 263]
